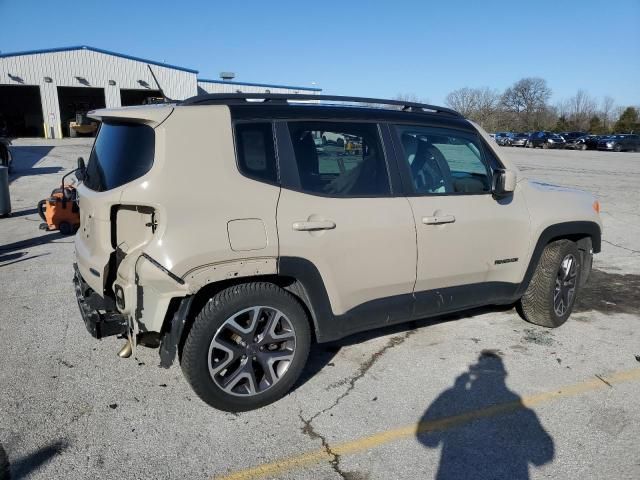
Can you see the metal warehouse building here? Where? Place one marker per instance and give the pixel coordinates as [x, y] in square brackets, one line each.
[41, 91]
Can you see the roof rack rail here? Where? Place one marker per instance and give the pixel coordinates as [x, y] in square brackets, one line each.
[283, 98]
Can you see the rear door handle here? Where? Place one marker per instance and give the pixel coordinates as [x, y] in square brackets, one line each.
[438, 220]
[314, 225]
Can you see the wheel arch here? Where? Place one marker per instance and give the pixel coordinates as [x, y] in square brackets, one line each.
[183, 310]
[586, 234]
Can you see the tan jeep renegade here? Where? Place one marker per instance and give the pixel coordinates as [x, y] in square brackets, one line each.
[229, 231]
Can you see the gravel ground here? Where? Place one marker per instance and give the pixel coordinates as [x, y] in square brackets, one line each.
[518, 401]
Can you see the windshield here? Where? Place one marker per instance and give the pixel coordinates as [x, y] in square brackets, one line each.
[122, 152]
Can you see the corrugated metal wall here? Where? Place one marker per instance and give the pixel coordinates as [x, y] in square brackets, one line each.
[97, 68]
[226, 87]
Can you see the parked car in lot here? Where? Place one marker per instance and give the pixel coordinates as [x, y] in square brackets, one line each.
[620, 143]
[502, 138]
[588, 142]
[545, 140]
[571, 138]
[518, 140]
[334, 138]
[276, 246]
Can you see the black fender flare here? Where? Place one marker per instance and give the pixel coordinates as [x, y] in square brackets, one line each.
[570, 230]
[171, 338]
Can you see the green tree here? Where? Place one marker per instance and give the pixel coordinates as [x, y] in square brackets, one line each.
[628, 121]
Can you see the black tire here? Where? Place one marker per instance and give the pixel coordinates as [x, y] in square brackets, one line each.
[582, 147]
[340, 142]
[65, 228]
[224, 305]
[617, 148]
[537, 305]
[545, 146]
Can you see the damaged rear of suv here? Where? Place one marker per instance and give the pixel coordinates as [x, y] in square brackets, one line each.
[224, 230]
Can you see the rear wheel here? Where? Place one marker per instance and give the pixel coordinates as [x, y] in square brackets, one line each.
[65, 228]
[617, 148]
[549, 298]
[247, 347]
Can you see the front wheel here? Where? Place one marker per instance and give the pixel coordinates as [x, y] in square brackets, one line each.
[550, 296]
[247, 347]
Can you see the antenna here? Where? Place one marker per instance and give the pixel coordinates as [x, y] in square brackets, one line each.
[166, 99]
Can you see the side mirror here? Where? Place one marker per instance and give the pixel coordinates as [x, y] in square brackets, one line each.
[504, 182]
[81, 170]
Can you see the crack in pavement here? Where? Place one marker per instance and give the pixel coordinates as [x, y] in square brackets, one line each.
[364, 367]
[334, 461]
[620, 246]
[362, 370]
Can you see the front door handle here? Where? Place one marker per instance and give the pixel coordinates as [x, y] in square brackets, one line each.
[438, 219]
[306, 226]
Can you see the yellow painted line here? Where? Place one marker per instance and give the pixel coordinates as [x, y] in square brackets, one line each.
[381, 438]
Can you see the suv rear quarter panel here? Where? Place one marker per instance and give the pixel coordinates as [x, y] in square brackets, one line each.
[197, 192]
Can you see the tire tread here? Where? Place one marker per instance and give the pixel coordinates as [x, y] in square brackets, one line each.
[208, 317]
[537, 303]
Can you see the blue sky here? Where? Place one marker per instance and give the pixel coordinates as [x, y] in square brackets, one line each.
[358, 48]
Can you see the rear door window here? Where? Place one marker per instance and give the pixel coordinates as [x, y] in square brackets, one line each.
[340, 159]
[122, 153]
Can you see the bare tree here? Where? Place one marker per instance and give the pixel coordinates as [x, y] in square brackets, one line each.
[581, 108]
[607, 111]
[478, 104]
[528, 98]
[410, 97]
[563, 109]
[463, 100]
[401, 97]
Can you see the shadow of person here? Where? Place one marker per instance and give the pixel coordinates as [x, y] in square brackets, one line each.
[4, 464]
[484, 429]
[23, 467]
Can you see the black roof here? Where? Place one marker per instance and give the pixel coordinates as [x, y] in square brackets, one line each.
[255, 99]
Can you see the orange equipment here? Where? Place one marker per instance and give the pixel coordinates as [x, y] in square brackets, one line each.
[60, 211]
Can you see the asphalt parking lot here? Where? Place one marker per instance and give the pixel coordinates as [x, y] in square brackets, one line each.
[481, 395]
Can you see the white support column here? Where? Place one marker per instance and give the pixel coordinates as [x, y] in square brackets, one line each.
[50, 110]
[112, 96]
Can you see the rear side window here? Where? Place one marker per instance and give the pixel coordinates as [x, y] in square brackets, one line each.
[340, 159]
[122, 152]
[256, 152]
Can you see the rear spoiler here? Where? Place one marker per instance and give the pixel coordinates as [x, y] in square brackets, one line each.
[152, 115]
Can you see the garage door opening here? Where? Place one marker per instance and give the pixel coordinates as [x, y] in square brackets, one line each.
[139, 97]
[20, 111]
[75, 102]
